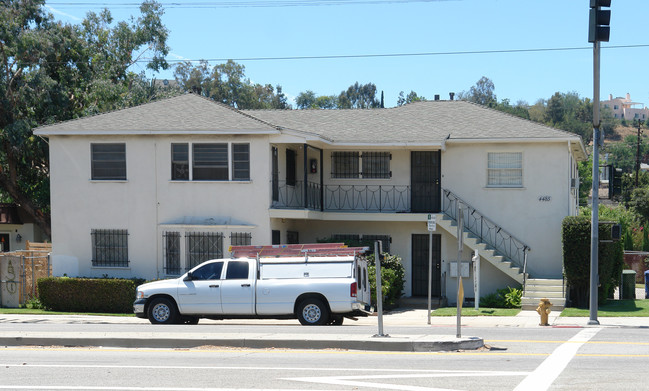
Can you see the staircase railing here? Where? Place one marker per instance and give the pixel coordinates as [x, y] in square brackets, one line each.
[486, 230]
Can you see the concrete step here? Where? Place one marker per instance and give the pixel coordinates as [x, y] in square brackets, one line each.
[530, 303]
[542, 294]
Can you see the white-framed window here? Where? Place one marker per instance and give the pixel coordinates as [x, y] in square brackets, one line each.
[366, 165]
[505, 169]
[108, 161]
[210, 161]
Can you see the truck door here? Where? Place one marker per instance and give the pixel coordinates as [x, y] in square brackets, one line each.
[237, 288]
[202, 293]
[362, 282]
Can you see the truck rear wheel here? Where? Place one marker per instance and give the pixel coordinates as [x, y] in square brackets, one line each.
[162, 311]
[312, 311]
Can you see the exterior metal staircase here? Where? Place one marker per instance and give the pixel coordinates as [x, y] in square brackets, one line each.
[493, 243]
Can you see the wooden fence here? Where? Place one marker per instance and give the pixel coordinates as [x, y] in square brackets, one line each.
[20, 271]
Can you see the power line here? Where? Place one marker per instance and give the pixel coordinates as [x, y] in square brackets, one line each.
[240, 4]
[346, 56]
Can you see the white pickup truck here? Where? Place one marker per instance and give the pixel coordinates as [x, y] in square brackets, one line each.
[316, 290]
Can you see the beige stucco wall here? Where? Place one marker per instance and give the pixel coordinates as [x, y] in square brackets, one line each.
[146, 200]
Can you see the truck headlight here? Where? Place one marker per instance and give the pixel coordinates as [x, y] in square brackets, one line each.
[139, 295]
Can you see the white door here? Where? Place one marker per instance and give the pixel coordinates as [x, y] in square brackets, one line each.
[201, 293]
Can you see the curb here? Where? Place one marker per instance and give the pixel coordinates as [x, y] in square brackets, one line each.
[427, 343]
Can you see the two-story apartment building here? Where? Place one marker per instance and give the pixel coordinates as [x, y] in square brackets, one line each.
[153, 190]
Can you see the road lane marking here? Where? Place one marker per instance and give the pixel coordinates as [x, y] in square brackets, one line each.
[545, 374]
[356, 381]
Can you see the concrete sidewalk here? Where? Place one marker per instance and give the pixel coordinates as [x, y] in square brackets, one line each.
[164, 337]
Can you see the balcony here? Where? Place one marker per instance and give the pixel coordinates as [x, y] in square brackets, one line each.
[342, 198]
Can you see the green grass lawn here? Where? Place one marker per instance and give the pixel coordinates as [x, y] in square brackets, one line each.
[614, 308]
[452, 311]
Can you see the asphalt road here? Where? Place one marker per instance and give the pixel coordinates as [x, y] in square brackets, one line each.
[597, 358]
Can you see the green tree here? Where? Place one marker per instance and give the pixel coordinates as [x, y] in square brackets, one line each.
[481, 93]
[359, 96]
[50, 71]
[227, 83]
[411, 97]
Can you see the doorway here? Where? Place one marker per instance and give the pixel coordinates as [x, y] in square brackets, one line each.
[420, 251]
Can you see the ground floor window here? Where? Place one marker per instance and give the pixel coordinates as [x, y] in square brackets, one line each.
[364, 240]
[240, 239]
[109, 247]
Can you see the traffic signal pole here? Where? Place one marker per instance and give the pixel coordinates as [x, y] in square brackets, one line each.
[598, 31]
[594, 224]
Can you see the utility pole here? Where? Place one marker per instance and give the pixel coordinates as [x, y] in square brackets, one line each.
[598, 31]
[637, 154]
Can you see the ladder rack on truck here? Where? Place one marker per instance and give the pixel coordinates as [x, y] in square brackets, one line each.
[296, 250]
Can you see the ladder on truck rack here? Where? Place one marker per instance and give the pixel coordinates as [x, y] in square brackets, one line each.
[296, 250]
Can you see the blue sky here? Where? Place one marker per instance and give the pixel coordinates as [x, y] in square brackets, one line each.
[229, 29]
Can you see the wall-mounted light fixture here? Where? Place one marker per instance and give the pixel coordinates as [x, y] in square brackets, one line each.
[19, 238]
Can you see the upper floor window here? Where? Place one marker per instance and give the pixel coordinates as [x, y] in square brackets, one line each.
[210, 161]
[505, 169]
[108, 161]
[367, 165]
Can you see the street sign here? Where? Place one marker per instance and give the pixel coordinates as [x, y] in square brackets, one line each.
[432, 222]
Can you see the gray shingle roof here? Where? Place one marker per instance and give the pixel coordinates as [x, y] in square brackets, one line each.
[419, 122]
[183, 114]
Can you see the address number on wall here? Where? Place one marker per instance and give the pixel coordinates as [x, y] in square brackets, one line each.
[545, 198]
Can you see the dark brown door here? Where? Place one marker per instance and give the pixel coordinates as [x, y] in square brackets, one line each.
[420, 248]
[425, 174]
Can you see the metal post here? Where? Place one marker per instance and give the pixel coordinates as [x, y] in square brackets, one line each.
[594, 225]
[430, 271]
[379, 289]
[460, 244]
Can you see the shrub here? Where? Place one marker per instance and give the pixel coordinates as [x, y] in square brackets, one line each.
[87, 295]
[392, 278]
[503, 298]
[576, 259]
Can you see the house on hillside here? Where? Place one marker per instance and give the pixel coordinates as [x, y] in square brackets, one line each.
[625, 108]
[153, 190]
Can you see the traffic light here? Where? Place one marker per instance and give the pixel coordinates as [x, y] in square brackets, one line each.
[614, 181]
[599, 20]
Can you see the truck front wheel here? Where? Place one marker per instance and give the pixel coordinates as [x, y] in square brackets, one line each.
[162, 311]
[312, 311]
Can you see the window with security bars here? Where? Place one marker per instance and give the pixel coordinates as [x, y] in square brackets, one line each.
[292, 237]
[240, 239]
[505, 169]
[171, 243]
[109, 247]
[345, 164]
[367, 165]
[179, 162]
[203, 246]
[108, 161]
[356, 240]
[376, 165]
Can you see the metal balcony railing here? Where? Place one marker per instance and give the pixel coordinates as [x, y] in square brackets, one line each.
[361, 198]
